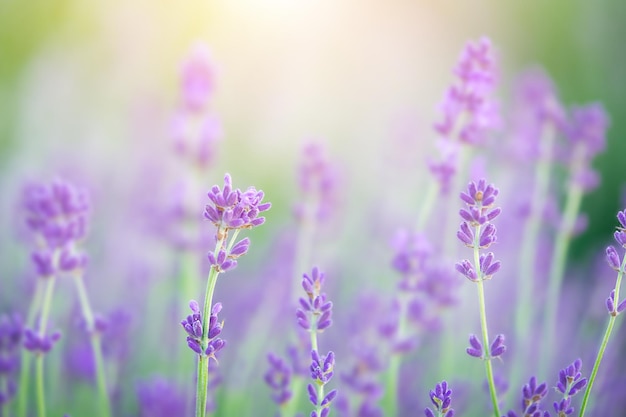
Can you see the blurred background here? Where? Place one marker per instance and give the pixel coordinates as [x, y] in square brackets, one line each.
[94, 83]
[88, 91]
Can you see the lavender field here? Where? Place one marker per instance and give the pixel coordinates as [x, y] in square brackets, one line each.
[315, 209]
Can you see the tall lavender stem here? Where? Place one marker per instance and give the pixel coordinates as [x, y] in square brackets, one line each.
[477, 232]
[96, 346]
[613, 304]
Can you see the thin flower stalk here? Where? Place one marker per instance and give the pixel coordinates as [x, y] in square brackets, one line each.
[229, 210]
[478, 232]
[614, 306]
[586, 132]
[546, 113]
[96, 345]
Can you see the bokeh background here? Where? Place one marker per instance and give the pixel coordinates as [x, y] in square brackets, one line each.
[88, 90]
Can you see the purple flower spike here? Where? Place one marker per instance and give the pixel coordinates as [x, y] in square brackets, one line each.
[563, 408]
[476, 348]
[193, 326]
[621, 217]
[37, 343]
[570, 379]
[197, 78]
[497, 348]
[315, 313]
[620, 237]
[532, 394]
[322, 370]
[441, 397]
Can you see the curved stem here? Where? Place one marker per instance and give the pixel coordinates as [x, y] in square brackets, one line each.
[605, 341]
[96, 346]
[527, 260]
[559, 258]
[203, 360]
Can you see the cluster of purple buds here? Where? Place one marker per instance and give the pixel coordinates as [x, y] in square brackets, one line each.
[57, 215]
[478, 215]
[316, 311]
[569, 384]
[37, 343]
[196, 130]
[496, 349]
[613, 259]
[318, 183]
[11, 332]
[441, 397]
[469, 102]
[587, 129]
[278, 378]
[226, 261]
[321, 372]
[532, 394]
[193, 327]
[234, 209]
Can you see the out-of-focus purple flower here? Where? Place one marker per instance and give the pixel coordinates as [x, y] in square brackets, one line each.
[411, 253]
[315, 313]
[56, 213]
[37, 343]
[193, 326]
[468, 110]
[278, 378]
[445, 166]
[570, 379]
[317, 179]
[11, 331]
[441, 397]
[235, 209]
[587, 129]
[197, 78]
[160, 398]
[536, 104]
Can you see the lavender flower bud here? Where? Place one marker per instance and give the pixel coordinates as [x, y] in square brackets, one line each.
[465, 268]
[532, 394]
[497, 348]
[278, 377]
[476, 348]
[570, 379]
[613, 258]
[487, 266]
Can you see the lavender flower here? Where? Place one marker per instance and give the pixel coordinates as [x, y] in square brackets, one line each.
[532, 394]
[316, 311]
[193, 327]
[317, 179]
[467, 107]
[197, 78]
[160, 398]
[569, 384]
[477, 232]
[321, 372]
[235, 209]
[278, 378]
[37, 343]
[56, 213]
[11, 332]
[441, 397]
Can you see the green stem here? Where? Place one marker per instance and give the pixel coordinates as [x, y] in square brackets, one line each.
[26, 357]
[559, 258]
[43, 324]
[390, 398]
[605, 340]
[203, 364]
[527, 260]
[483, 324]
[96, 347]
